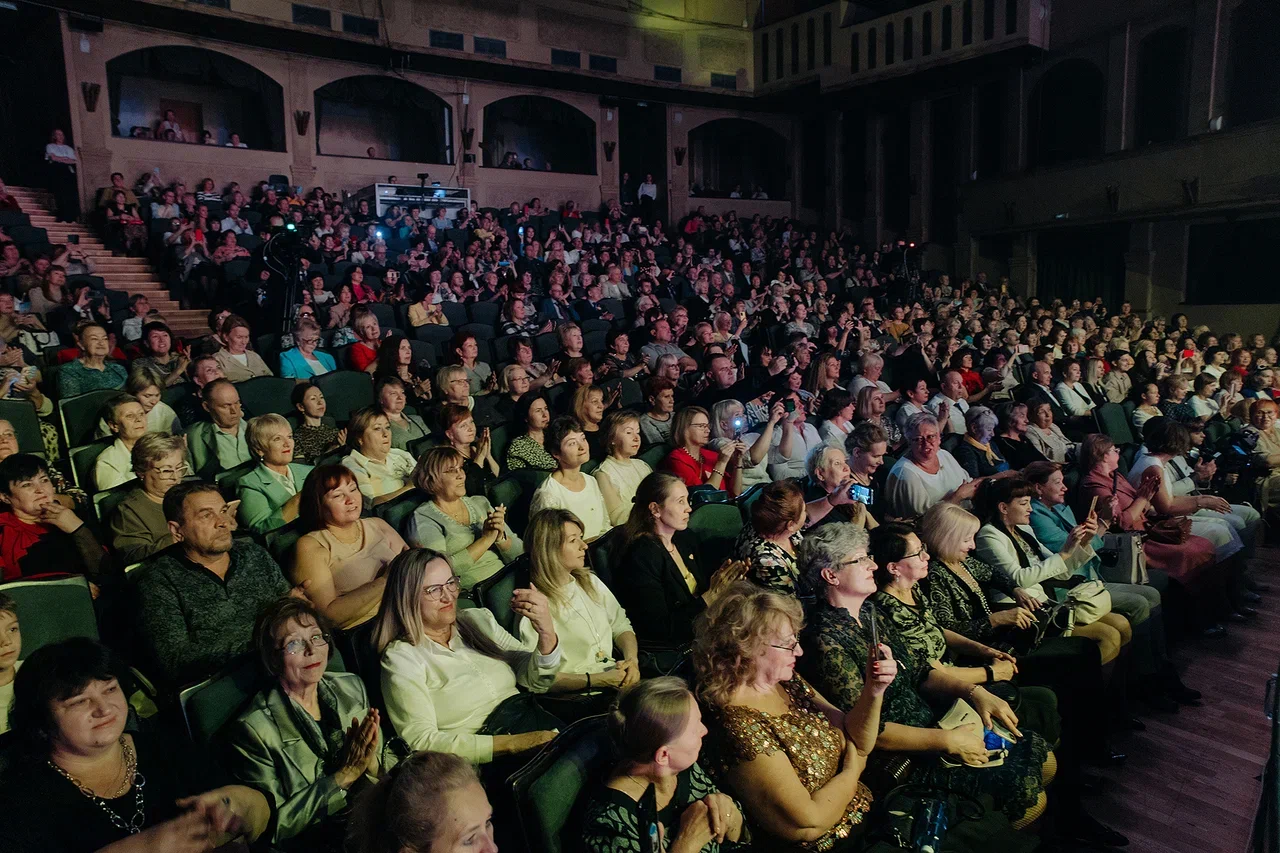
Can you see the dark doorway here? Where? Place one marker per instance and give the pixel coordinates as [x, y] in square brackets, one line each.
[1163, 64]
[533, 132]
[1253, 78]
[1065, 116]
[1082, 263]
[33, 92]
[394, 118]
[642, 148]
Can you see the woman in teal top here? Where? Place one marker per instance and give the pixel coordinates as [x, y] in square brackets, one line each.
[270, 493]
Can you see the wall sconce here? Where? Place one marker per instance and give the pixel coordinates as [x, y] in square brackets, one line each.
[1113, 198]
[468, 136]
[677, 117]
[90, 92]
[680, 152]
[301, 120]
[608, 115]
[609, 145]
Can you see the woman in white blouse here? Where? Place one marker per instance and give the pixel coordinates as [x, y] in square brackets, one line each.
[1148, 406]
[1045, 435]
[597, 643]
[449, 677]
[382, 471]
[567, 487]
[621, 472]
[1072, 394]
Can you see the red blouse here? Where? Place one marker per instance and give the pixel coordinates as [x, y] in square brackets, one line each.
[361, 355]
[694, 472]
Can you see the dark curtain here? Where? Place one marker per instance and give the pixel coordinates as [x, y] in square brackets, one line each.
[1065, 114]
[1227, 261]
[262, 97]
[551, 131]
[727, 152]
[1082, 263]
[33, 92]
[421, 117]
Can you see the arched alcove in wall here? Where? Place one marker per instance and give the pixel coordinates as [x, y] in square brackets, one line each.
[730, 153]
[1065, 114]
[550, 135]
[205, 90]
[397, 119]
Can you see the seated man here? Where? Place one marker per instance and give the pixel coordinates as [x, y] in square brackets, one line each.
[196, 601]
[38, 534]
[220, 444]
[202, 370]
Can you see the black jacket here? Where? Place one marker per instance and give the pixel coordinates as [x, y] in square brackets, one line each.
[652, 591]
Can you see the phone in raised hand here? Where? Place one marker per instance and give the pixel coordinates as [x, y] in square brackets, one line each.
[875, 630]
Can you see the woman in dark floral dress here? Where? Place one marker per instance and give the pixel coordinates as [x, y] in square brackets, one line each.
[768, 545]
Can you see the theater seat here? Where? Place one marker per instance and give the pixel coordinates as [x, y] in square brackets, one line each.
[80, 415]
[714, 527]
[345, 391]
[549, 789]
[494, 593]
[265, 395]
[52, 610]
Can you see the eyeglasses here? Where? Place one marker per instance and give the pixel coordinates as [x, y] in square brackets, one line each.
[699, 426]
[855, 561]
[789, 647]
[924, 551]
[293, 648]
[436, 591]
[180, 471]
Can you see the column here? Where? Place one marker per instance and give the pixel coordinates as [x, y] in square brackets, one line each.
[920, 171]
[1120, 85]
[873, 218]
[1022, 265]
[1139, 263]
[833, 209]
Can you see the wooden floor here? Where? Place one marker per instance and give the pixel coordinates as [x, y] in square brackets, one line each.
[1192, 780]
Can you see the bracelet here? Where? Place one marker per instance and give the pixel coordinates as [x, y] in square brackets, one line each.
[588, 681]
[991, 673]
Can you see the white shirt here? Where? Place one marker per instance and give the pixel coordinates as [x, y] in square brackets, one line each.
[1202, 407]
[380, 478]
[650, 190]
[860, 382]
[113, 467]
[585, 627]
[910, 490]
[832, 434]
[907, 411]
[1074, 400]
[587, 505]
[956, 415]
[621, 479]
[438, 697]
[788, 467]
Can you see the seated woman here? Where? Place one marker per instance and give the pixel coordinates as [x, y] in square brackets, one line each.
[138, 525]
[729, 423]
[588, 405]
[870, 407]
[768, 545]
[1046, 436]
[1011, 437]
[315, 434]
[527, 450]
[158, 354]
[596, 639]
[1262, 421]
[1072, 393]
[459, 429]
[619, 359]
[148, 387]
[363, 354]
[975, 453]
[466, 351]
[513, 383]
[454, 387]
[237, 361]
[406, 425]
[91, 371]
[1008, 544]
[695, 463]
[1148, 405]
[656, 576]
[79, 782]
[340, 562]
[926, 474]
[656, 728]
[463, 525]
[312, 779]
[434, 801]
[450, 676]
[305, 361]
[792, 758]
[270, 493]
[382, 471]
[657, 421]
[128, 423]
[395, 358]
[835, 560]
[619, 475]
[836, 412]
[567, 487]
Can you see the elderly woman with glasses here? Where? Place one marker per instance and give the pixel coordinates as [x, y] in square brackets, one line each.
[304, 361]
[468, 528]
[836, 562]
[927, 474]
[310, 739]
[138, 526]
[271, 492]
[451, 677]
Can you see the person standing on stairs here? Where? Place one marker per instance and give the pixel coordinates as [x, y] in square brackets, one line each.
[63, 183]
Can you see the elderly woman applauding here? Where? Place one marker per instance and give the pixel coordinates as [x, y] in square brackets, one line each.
[466, 527]
[310, 737]
[270, 493]
[791, 757]
[449, 678]
[657, 732]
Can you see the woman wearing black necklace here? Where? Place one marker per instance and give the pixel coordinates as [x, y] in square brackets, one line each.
[82, 783]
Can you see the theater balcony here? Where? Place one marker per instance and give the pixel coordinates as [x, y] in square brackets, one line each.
[839, 47]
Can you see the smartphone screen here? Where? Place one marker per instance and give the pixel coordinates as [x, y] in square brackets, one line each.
[789, 405]
[862, 494]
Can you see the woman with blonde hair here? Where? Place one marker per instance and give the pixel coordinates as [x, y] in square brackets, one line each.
[694, 462]
[468, 528]
[271, 493]
[452, 382]
[588, 405]
[619, 475]
[148, 386]
[597, 642]
[656, 728]
[792, 758]
[870, 408]
[450, 676]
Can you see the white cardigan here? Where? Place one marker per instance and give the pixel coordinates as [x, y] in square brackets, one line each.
[996, 549]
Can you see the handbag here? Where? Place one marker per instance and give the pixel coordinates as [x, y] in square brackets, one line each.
[1089, 602]
[1173, 530]
[1123, 560]
[1051, 620]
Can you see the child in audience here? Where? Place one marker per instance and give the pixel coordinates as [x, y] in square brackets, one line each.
[10, 651]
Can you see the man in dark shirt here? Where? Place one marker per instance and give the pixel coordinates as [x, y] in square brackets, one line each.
[39, 534]
[196, 600]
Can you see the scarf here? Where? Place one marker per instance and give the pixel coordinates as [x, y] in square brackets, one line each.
[985, 448]
[17, 537]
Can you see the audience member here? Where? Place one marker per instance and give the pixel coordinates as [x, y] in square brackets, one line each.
[138, 525]
[567, 487]
[270, 492]
[316, 434]
[128, 422]
[39, 534]
[221, 443]
[528, 449]
[237, 361]
[382, 471]
[91, 371]
[10, 651]
[434, 801]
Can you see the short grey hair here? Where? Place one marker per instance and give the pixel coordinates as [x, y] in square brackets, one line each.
[664, 360]
[981, 417]
[825, 547]
[719, 412]
[912, 427]
[152, 447]
[870, 359]
[818, 457]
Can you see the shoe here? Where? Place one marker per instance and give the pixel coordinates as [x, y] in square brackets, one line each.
[1214, 631]
[1184, 695]
[1242, 614]
[1084, 828]
[1250, 597]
